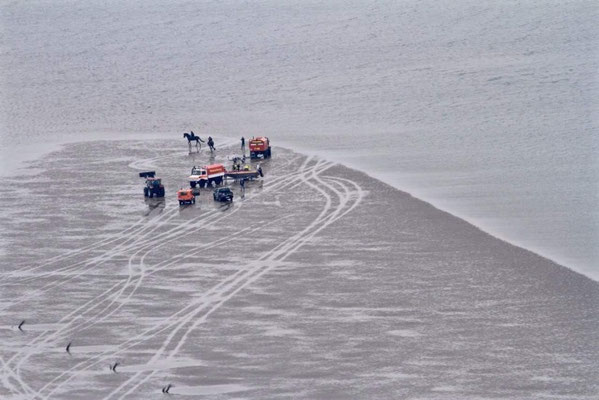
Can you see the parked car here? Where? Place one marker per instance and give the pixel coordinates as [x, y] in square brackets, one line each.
[223, 194]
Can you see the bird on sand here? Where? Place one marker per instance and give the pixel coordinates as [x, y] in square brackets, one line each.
[21, 325]
[68, 349]
[113, 366]
[166, 388]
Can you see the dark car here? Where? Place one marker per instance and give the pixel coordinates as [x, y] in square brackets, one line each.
[223, 194]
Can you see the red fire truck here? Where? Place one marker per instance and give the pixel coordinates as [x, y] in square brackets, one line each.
[207, 175]
[259, 147]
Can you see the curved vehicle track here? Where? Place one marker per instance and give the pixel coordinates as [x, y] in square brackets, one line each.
[137, 242]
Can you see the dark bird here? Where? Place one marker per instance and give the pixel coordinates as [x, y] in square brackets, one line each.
[113, 366]
[167, 388]
[20, 325]
[69, 348]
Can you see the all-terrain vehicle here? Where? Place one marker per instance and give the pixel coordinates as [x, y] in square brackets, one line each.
[259, 147]
[186, 196]
[154, 186]
[223, 194]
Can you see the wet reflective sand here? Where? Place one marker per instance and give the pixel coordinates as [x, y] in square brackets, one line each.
[320, 283]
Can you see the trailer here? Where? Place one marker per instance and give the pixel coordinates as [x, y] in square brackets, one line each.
[237, 175]
[245, 173]
[242, 171]
[207, 175]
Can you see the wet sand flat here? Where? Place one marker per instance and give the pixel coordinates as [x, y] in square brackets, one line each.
[321, 283]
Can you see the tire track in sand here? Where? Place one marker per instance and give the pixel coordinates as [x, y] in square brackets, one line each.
[158, 328]
[261, 266]
[286, 179]
[95, 245]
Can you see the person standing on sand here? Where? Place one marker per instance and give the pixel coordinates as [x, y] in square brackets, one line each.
[211, 143]
[242, 143]
[242, 183]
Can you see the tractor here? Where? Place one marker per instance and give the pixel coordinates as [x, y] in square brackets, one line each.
[154, 186]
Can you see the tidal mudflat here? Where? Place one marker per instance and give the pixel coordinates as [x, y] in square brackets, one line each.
[320, 283]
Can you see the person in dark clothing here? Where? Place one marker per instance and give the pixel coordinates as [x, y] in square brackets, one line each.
[242, 184]
[211, 143]
[242, 143]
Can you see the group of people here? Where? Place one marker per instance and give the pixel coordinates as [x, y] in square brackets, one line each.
[239, 163]
[239, 167]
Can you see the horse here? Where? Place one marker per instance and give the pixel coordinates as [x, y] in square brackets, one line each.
[191, 137]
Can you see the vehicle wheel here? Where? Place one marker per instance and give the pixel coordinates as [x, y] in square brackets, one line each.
[150, 194]
[193, 201]
[180, 202]
[161, 192]
[192, 184]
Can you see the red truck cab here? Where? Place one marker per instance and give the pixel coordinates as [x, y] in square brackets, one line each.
[259, 147]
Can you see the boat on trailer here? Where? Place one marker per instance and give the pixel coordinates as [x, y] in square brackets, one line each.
[238, 175]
